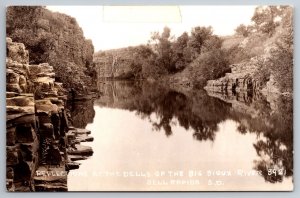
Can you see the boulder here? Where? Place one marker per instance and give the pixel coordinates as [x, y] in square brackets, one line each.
[12, 77]
[81, 150]
[51, 178]
[12, 157]
[76, 157]
[20, 118]
[20, 101]
[72, 165]
[84, 138]
[45, 106]
[17, 52]
[13, 87]
[11, 136]
[10, 94]
[82, 131]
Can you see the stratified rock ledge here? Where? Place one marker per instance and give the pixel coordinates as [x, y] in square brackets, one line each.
[39, 134]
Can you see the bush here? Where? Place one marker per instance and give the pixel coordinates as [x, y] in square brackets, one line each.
[208, 66]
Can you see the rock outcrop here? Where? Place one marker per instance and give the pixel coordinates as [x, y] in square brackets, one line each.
[241, 79]
[57, 39]
[114, 63]
[37, 126]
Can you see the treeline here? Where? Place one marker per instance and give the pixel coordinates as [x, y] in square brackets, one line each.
[201, 55]
[166, 55]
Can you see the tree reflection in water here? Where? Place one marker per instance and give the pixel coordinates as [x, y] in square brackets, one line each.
[81, 112]
[272, 121]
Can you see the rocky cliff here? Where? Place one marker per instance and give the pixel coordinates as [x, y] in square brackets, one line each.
[116, 63]
[39, 135]
[57, 39]
[241, 79]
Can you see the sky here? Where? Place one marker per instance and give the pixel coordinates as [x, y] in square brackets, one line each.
[111, 27]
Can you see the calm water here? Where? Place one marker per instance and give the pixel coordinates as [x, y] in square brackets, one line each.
[149, 137]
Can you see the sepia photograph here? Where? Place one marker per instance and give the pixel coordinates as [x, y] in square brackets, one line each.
[149, 98]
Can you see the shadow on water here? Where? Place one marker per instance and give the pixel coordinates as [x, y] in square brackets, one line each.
[81, 113]
[271, 121]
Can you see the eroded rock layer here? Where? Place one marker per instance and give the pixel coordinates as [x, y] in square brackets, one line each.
[241, 79]
[38, 129]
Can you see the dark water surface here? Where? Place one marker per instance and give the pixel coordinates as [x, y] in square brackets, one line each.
[149, 137]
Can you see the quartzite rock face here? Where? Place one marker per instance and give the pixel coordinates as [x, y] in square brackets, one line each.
[241, 79]
[36, 126]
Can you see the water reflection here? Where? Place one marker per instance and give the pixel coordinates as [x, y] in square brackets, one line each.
[264, 124]
[196, 110]
[81, 112]
[271, 121]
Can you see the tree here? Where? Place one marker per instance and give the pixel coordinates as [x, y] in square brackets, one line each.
[279, 61]
[208, 66]
[237, 54]
[281, 56]
[242, 30]
[163, 49]
[265, 18]
[197, 39]
[143, 62]
[182, 55]
[212, 43]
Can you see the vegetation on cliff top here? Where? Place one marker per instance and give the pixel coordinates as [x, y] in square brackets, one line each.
[271, 38]
[54, 38]
[200, 55]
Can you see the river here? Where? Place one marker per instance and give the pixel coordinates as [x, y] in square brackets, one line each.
[149, 137]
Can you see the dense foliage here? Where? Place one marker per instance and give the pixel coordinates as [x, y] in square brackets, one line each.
[270, 38]
[54, 38]
[278, 60]
[198, 55]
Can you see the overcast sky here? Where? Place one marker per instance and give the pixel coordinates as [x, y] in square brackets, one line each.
[121, 26]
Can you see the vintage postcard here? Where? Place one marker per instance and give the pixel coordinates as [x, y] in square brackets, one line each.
[149, 98]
